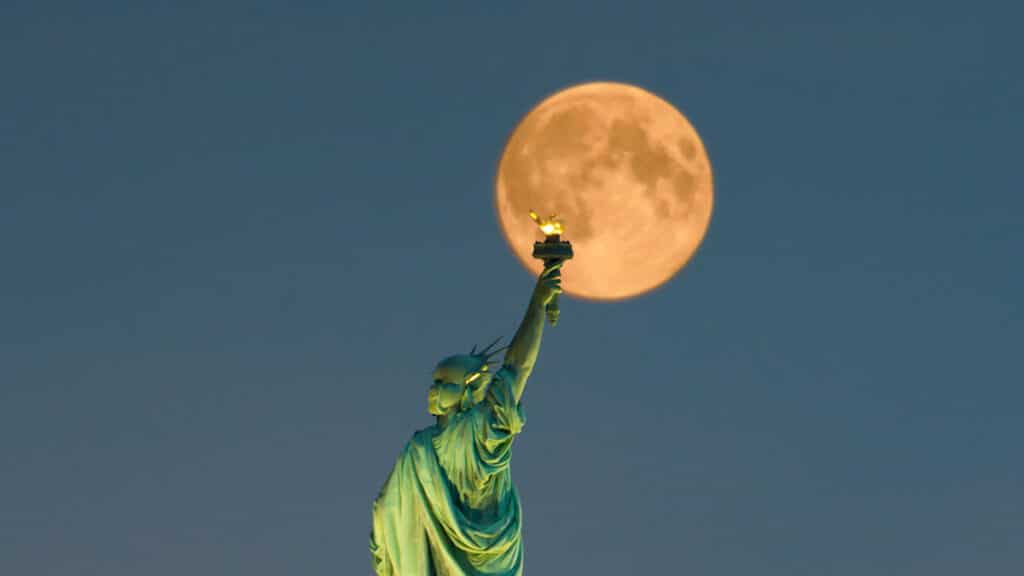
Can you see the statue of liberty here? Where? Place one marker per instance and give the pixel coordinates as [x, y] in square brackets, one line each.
[449, 507]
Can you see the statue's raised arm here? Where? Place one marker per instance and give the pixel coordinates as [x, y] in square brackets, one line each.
[522, 351]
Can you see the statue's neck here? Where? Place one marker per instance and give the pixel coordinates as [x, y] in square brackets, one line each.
[442, 422]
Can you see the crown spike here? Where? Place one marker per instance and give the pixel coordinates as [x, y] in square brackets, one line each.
[487, 351]
[502, 349]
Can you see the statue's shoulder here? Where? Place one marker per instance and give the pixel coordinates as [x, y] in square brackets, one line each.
[418, 448]
[507, 373]
[422, 438]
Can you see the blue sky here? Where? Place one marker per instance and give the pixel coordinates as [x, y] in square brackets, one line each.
[236, 238]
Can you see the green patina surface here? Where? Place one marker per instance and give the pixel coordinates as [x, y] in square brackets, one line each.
[449, 507]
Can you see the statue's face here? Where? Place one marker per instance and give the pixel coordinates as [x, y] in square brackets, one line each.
[451, 377]
[443, 397]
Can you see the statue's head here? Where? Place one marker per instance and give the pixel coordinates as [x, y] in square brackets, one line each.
[460, 381]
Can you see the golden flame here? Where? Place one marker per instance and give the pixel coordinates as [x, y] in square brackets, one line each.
[550, 225]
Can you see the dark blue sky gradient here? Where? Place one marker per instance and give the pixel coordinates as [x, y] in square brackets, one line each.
[236, 237]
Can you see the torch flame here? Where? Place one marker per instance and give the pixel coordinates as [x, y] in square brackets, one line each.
[550, 226]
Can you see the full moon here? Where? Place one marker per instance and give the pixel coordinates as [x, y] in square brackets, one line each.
[627, 175]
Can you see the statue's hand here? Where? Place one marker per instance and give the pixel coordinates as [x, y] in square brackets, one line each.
[549, 283]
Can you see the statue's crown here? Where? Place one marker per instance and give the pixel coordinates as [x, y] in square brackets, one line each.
[470, 366]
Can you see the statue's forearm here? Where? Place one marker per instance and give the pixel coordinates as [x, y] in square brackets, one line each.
[525, 345]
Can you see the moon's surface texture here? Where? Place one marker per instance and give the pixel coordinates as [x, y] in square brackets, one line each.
[626, 173]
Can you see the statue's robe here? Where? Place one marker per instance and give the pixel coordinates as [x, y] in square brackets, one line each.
[449, 508]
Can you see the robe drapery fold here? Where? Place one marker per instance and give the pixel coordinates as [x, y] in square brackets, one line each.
[449, 507]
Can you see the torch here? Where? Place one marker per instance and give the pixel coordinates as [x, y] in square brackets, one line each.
[552, 249]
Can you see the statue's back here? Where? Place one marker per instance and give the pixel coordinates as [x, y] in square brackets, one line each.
[449, 505]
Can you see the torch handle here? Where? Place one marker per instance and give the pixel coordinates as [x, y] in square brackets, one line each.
[551, 250]
[552, 307]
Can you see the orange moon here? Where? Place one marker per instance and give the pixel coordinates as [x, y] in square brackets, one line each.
[624, 171]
